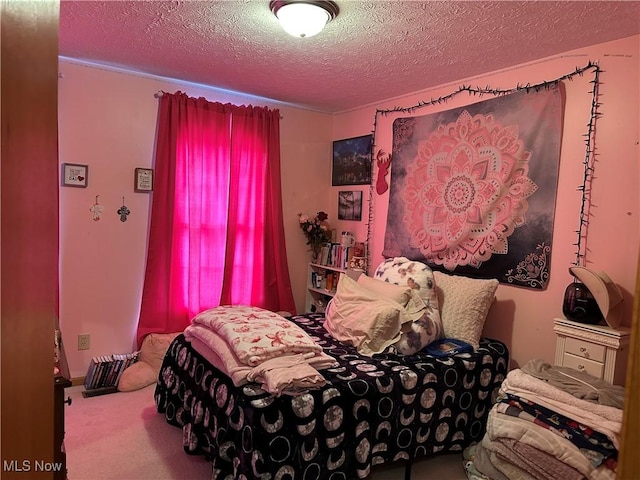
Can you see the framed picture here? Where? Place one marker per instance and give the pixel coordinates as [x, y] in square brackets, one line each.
[352, 161]
[350, 205]
[143, 180]
[74, 175]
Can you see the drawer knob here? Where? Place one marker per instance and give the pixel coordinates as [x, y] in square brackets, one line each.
[580, 367]
[583, 349]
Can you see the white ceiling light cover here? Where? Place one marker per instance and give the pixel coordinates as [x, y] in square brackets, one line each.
[302, 20]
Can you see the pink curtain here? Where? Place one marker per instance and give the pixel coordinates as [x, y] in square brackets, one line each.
[216, 234]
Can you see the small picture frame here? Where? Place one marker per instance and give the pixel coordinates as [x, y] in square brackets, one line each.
[74, 175]
[352, 161]
[350, 205]
[143, 180]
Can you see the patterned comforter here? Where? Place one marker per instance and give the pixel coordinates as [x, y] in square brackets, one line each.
[372, 410]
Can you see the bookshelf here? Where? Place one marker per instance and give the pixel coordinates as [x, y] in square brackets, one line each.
[322, 281]
[324, 272]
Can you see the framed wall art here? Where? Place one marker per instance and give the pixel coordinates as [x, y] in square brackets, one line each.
[352, 161]
[143, 180]
[350, 205]
[74, 175]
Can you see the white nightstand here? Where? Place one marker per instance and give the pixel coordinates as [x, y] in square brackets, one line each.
[596, 349]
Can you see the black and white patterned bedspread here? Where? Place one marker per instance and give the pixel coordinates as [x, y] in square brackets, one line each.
[372, 410]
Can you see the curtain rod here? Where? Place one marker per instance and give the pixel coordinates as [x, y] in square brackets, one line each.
[159, 94]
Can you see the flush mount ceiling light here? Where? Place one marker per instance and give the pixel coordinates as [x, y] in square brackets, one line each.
[303, 19]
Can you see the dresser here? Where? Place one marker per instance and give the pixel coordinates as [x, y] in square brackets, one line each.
[596, 349]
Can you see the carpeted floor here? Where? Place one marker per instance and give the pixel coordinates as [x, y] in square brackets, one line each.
[120, 436]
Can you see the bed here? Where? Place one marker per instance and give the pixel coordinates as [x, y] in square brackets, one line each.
[372, 410]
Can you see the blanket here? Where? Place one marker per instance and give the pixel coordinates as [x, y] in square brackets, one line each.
[501, 426]
[595, 445]
[255, 334]
[577, 383]
[605, 419]
[282, 370]
[519, 379]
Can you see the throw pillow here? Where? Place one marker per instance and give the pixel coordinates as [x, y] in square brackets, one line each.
[404, 272]
[359, 317]
[464, 305]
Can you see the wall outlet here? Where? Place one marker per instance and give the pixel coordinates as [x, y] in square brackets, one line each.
[83, 341]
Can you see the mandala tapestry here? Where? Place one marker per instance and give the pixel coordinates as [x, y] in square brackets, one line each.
[473, 189]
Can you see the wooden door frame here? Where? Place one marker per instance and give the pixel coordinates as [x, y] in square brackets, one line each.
[629, 459]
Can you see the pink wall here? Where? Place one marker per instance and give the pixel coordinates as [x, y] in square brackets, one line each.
[524, 318]
[107, 120]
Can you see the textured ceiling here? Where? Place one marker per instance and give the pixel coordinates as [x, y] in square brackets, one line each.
[373, 50]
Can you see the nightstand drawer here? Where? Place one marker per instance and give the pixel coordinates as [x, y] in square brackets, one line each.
[584, 349]
[584, 365]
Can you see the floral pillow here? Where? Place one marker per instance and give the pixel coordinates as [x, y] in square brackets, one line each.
[404, 272]
[418, 276]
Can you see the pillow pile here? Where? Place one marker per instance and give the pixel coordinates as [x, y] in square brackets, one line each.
[407, 306]
[464, 305]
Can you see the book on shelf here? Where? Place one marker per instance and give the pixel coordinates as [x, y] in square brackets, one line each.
[336, 255]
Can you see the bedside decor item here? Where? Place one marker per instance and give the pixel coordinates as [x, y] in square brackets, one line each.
[75, 175]
[316, 230]
[143, 180]
[352, 161]
[591, 298]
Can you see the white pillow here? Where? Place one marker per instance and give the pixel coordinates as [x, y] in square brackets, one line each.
[464, 304]
[359, 317]
[397, 293]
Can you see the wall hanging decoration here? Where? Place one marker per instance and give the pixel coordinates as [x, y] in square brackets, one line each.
[143, 180]
[74, 175]
[450, 199]
[350, 205]
[123, 211]
[352, 161]
[473, 188]
[383, 161]
[97, 210]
